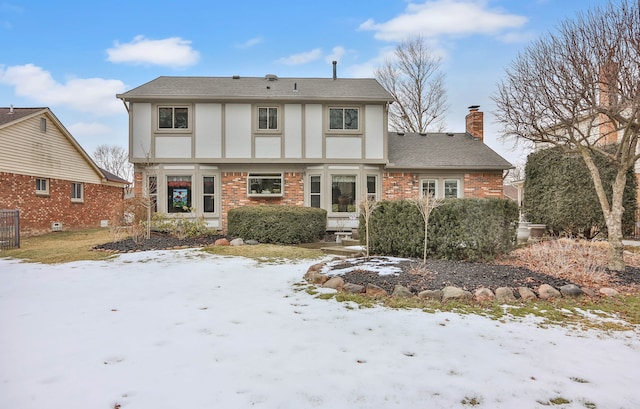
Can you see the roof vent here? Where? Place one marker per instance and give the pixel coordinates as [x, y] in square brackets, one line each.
[271, 77]
[423, 134]
[236, 77]
[400, 133]
[449, 134]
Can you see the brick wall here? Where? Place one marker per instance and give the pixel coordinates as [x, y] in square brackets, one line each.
[483, 185]
[234, 192]
[37, 212]
[476, 185]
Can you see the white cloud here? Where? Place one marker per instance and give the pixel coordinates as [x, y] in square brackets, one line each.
[336, 54]
[170, 52]
[94, 95]
[250, 42]
[90, 128]
[444, 17]
[302, 58]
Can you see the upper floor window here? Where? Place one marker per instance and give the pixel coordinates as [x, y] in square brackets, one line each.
[42, 186]
[43, 125]
[173, 117]
[267, 118]
[77, 192]
[343, 118]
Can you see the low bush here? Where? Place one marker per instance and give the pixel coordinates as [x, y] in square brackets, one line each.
[278, 224]
[459, 229]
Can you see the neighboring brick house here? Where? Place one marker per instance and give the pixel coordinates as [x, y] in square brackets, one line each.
[204, 145]
[46, 175]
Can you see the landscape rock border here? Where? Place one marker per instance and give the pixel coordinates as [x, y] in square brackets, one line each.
[502, 294]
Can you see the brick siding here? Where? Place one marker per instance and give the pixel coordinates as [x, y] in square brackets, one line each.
[483, 185]
[101, 202]
[234, 192]
[476, 185]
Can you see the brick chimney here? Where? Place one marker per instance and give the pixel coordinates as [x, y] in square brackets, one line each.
[608, 98]
[474, 122]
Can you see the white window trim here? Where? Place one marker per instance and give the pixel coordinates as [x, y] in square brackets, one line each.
[265, 175]
[440, 183]
[458, 186]
[44, 192]
[357, 190]
[319, 194]
[344, 131]
[189, 127]
[278, 129]
[77, 199]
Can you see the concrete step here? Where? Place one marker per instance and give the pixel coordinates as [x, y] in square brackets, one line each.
[350, 242]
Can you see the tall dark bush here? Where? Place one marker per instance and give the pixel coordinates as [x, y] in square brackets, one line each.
[459, 229]
[559, 192]
[278, 224]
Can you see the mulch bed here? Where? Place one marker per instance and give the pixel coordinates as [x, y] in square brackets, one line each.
[436, 275]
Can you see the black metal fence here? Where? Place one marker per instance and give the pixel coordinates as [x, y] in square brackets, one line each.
[9, 229]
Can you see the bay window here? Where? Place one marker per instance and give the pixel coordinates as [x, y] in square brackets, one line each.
[343, 193]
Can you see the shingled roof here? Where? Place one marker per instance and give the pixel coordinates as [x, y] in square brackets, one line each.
[268, 87]
[10, 114]
[442, 151]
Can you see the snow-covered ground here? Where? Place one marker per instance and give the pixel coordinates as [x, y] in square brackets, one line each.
[184, 329]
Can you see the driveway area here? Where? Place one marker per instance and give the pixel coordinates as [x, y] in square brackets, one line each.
[186, 329]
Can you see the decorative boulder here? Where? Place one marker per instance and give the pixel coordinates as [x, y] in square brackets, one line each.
[334, 282]
[237, 242]
[505, 294]
[455, 293]
[401, 292]
[609, 292]
[526, 293]
[221, 242]
[373, 290]
[570, 290]
[251, 242]
[315, 277]
[484, 294]
[433, 295]
[353, 288]
[546, 292]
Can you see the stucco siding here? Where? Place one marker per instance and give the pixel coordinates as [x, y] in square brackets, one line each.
[141, 130]
[293, 131]
[237, 136]
[313, 131]
[375, 130]
[208, 130]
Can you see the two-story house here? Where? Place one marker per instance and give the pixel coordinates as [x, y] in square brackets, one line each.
[205, 145]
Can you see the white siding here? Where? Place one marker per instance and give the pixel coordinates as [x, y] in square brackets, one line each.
[28, 151]
[268, 147]
[208, 130]
[313, 131]
[173, 147]
[374, 126]
[141, 140]
[344, 148]
[293, 131]
[237, 137]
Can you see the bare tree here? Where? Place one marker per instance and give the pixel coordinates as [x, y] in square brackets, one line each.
[416, 83]
[579, 89]
[367, 205]
[425, 204]
[114, 159]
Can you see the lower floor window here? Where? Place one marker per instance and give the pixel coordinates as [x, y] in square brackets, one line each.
[440, 188]
[179, 194]
[343, 190]
[451, 188]
[77, 194]
[315, 191]
[208, 194]
[42, 186]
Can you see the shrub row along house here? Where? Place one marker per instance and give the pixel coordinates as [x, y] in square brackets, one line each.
[204, 145]
[49, 178]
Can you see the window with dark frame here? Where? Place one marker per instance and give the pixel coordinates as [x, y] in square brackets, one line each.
[179, 194]
[173, 118]
[153, 193]
[343, 118]
[314, 191]
[267, 118]
[372, 182]
[208, 194]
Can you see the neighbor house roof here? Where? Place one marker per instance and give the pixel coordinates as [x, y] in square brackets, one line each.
[10, 114]
[268, 87]
[442, 151]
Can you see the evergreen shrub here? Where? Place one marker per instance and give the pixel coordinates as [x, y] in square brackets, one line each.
[277, 224]
[459, 229]
[559, 192]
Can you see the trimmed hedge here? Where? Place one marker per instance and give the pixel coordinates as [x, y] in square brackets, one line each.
[460, 229]
[277, 224]
[559, 192]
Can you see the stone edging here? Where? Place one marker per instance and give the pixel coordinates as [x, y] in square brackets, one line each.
[501, 294]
